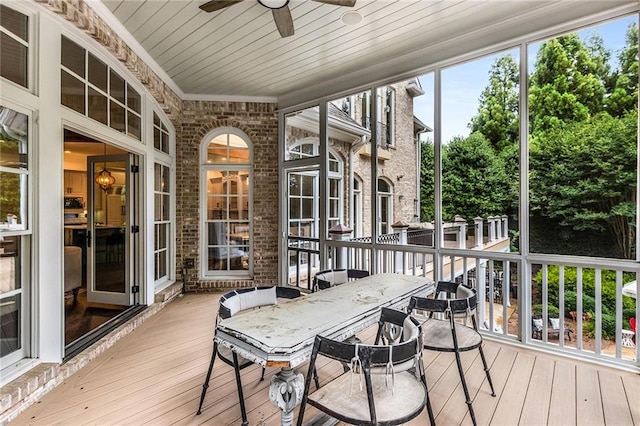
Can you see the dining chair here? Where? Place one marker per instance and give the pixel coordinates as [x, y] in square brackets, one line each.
[231, 304]
[385, 384]
[447, 333]
[328, 278]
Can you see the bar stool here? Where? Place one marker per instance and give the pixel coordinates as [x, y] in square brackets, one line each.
[448, 335]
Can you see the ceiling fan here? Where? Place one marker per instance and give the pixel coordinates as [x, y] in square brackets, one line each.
[279, 9]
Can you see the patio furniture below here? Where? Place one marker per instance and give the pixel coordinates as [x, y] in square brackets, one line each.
[448, 335]
[230, 304]
[553, 327]
[629, 336]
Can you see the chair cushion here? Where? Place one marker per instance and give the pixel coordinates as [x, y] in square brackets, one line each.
[251, 299]
[410, 330]
[334, 277]
[463, 292]
[555, 323]
[537, 323]
[347, 402]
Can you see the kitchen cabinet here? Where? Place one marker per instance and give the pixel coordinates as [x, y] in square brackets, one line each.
[115, 210]
[75, 183]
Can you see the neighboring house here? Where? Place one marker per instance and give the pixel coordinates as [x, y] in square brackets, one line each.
[350, 132]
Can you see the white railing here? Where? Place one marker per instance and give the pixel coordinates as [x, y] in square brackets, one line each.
[595, 326]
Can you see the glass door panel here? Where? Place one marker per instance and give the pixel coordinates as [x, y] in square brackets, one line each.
[108, 239]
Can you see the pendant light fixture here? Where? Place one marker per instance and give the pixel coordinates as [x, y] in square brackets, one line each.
[104, 178]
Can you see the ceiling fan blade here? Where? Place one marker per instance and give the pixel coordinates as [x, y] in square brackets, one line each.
[213, 5]
[283, 20]
[346, 3]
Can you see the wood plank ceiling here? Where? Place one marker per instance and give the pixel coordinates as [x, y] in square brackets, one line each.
[237, 52]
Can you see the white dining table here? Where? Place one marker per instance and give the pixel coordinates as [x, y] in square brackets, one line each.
[282, 335]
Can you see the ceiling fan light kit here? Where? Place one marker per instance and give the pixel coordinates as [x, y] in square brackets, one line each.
[279, 9]
[274, 4]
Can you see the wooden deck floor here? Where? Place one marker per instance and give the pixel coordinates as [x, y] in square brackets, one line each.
[154, 376]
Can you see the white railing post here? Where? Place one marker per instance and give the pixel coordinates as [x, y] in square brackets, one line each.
[505, 226]
[492, 228]
[461, 223]
[400, 228]
[340, 233]
[477, 223]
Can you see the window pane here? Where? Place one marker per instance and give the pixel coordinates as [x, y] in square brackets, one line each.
[308, 185]
[73, 57]
[97, 106]
[158, 207]
[10, 264]
[13, 139]
[13, 200]
[72, 92]
[307, 208]
[11, 337]
[583, 150]
[157, 139]
[13, 60]
[133, 99]
[117, 87]
[165, 142]
[301, 127]
[133, 125]
[97, 73]
[15, 22]
[480, 150]
[116, 116]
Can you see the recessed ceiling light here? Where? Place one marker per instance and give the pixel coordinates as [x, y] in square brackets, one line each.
[351, 17]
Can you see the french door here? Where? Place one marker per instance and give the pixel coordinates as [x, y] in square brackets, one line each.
[111, 230]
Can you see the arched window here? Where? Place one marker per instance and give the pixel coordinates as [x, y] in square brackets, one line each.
[385, 206]
[227, 173]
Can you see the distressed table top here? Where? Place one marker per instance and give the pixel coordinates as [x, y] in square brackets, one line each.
[283, 334]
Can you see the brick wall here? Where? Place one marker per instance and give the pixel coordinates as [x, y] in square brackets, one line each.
[260, 122]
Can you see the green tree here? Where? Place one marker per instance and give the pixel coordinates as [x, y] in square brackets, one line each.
[624, 95]
[427, 182]
[474, 182]
[584, 176]
[567, 84]
[497, 117]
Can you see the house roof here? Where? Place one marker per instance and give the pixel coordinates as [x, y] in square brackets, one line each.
[237, 54]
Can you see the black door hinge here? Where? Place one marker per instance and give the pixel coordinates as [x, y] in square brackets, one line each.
[135, 168]
[135, 229]
[135, 289]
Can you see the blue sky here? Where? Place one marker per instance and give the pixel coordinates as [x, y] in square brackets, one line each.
[463, 84]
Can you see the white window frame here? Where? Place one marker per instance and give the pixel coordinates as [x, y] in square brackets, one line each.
[205, 167]
[24, 232]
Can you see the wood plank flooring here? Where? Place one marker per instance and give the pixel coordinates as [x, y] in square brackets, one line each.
[154, 376]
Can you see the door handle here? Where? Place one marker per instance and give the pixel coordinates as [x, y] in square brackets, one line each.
[88, 238]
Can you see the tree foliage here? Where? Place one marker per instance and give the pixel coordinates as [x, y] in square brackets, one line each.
[584, 175]
[624, 95]
[583, 151]
[427, 182]
[474, 182]
[497, 117]
[567, 84]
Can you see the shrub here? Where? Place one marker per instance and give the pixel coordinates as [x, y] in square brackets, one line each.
[552, 310]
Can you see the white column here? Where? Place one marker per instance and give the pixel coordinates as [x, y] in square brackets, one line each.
[492, 228]
[340, 233]
[477, 223]
[461, 223]
[505, 226]
[400, 228]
